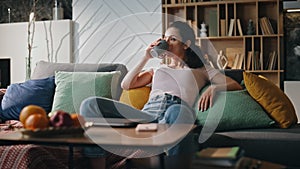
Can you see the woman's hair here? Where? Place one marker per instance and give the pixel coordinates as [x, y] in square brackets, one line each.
[193, 55]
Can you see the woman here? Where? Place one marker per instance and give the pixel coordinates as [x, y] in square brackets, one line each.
[175, 84]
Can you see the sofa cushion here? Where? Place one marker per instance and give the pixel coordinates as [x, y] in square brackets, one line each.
[272, 99]
[38, 92]
[137, 98]
[234, 110]
[73, 87]
[45, 69]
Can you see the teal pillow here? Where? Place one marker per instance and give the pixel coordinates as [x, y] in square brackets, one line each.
[73, 87]
[234, 110]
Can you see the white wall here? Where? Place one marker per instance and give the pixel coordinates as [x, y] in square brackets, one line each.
[292, 90]
[115, 30]
[104, 31]
[52, 42]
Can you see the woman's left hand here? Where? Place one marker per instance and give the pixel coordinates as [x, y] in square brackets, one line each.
[207, 98]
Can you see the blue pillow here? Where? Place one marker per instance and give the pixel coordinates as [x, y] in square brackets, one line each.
[38, 92]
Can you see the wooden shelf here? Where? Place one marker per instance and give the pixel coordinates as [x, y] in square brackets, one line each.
[265, 41]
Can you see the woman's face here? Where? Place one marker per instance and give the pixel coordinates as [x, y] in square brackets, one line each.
[176, 46]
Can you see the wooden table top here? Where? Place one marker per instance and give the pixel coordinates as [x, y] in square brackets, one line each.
[164, 136]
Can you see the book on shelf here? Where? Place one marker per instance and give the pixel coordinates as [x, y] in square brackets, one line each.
[231, 27]
[223, 27]
[262, 27]
[238, 62]
[269, 25]
[271, 64]
[218, 157]
[232, 54]
[266, 26]
[261, 61]
[256, 59]
[238, 21]
[249, 60]
[236, 59]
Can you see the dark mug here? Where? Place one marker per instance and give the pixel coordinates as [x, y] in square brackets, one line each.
[159, 49]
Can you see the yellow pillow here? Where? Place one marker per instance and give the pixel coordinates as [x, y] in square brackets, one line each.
[271, 98]
[136, 97]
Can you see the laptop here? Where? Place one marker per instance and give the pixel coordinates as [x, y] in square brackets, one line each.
[113, 122]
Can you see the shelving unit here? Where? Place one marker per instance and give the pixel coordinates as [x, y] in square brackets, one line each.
[217, 16]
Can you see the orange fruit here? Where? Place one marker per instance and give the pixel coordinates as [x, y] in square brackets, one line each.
[29, 110]
[36, 121]
[77, 120]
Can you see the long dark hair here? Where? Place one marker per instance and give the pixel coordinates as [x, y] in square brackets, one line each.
[193, 55]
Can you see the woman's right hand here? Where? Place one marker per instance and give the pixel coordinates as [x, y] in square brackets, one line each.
[150, 47]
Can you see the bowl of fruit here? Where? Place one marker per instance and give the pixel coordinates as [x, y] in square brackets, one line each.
[37, 123]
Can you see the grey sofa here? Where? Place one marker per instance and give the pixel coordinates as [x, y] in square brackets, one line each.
[270, 144]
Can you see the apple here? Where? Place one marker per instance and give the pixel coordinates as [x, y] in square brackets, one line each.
[61, 119]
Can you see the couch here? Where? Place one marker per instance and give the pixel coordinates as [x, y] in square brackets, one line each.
[262, 139]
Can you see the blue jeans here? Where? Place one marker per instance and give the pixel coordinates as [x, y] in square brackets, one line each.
[160, 109]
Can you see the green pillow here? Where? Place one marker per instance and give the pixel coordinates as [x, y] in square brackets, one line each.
[73, 87]
[234, 110]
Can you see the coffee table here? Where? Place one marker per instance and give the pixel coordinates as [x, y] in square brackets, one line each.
[163, 138]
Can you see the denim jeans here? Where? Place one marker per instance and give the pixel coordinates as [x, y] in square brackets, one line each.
[160, 109]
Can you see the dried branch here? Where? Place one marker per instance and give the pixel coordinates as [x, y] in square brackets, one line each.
[30, 38]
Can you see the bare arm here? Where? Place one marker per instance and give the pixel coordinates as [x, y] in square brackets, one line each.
[223, 83]
[219, 83]
[137, 77]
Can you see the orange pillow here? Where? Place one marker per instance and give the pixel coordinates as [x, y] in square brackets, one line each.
[137, 98]
[271, 98]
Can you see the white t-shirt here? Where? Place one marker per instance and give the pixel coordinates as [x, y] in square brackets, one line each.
[184, 82]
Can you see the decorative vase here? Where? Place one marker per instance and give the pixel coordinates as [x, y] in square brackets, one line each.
[250, 28]
[203, 30]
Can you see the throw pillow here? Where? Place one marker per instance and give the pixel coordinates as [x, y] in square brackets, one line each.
[272, 99]
[234, 110]
[73, 87]
[38, 92]
[45, 69]
[137, 98]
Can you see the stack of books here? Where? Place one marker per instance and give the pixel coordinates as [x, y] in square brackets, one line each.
[266, 27]
[224, 157]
